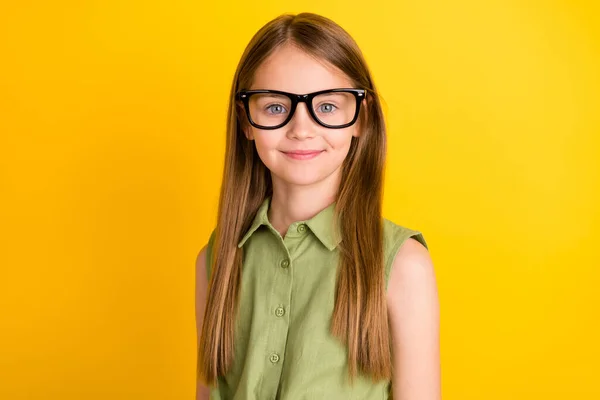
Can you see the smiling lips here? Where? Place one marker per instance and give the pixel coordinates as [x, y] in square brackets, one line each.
[302, 154]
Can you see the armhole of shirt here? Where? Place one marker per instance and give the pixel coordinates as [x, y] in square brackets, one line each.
[394, 237]
[209, 254]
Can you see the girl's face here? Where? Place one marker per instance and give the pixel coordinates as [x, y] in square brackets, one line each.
[289, 69]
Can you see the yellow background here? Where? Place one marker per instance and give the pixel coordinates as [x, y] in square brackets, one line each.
[112, 118]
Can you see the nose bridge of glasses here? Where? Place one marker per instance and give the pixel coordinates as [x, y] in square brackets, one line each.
[306, 99]
[306, 115]
[303, 98]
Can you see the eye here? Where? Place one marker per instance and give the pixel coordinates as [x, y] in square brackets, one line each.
[326, 108]
[276, 109]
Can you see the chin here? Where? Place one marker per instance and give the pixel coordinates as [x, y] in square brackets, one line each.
[299, 178]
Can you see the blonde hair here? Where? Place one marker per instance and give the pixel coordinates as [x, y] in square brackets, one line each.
[360, 318]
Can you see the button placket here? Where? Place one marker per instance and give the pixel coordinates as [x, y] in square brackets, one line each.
[277, 335]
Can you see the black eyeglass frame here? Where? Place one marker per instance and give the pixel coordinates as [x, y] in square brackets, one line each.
[244, 96]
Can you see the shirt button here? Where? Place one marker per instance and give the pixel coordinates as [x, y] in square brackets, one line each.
[274, 358]
[279, 311]
[285, 263]
[301, 228]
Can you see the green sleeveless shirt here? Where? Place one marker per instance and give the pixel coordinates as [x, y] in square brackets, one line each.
[283, 345]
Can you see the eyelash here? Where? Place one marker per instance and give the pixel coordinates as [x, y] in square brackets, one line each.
[282, 106]
[273, 105]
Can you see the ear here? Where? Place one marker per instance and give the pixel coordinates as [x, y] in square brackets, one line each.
[245, 126]
[362, 117]
[248, 133]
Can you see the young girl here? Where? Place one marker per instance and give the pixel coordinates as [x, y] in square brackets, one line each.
[304, 291]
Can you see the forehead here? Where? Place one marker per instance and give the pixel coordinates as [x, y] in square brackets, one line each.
[292, 70]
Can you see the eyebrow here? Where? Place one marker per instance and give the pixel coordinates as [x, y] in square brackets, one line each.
[334, 94]
[276, 95]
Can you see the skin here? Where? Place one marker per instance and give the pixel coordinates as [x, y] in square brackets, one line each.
[202, 391]
[302, 188]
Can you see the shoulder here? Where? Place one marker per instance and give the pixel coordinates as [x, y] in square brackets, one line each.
[409, 259]
[413, 310]
[394, 233]
[411, 275]
[200, 286]
[201, 262]
[412, 264]
[201, 290]
[414, 314]
[397, 237]
[201, 273]
[203, 266]
[206, 254]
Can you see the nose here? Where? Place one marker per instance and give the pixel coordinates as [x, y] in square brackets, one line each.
[302, 125]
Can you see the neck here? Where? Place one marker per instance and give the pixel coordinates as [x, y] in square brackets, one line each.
[292, 203]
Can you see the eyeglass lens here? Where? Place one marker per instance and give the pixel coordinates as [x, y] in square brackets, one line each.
[271, 109]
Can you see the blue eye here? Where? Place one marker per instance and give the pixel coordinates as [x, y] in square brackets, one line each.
[326, 108]
[276, 109]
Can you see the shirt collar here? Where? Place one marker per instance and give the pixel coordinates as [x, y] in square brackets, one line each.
[321, 225]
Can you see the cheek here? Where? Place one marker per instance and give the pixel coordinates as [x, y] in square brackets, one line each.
[265, 141]
[339, 140]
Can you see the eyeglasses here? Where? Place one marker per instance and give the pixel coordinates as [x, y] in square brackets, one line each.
[272, 109]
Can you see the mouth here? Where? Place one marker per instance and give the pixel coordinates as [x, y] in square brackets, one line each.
[302, 154]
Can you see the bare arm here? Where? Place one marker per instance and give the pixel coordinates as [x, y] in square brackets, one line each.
[202, 392]
[413, 309]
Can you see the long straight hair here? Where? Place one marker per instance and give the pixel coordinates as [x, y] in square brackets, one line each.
[359, 318]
